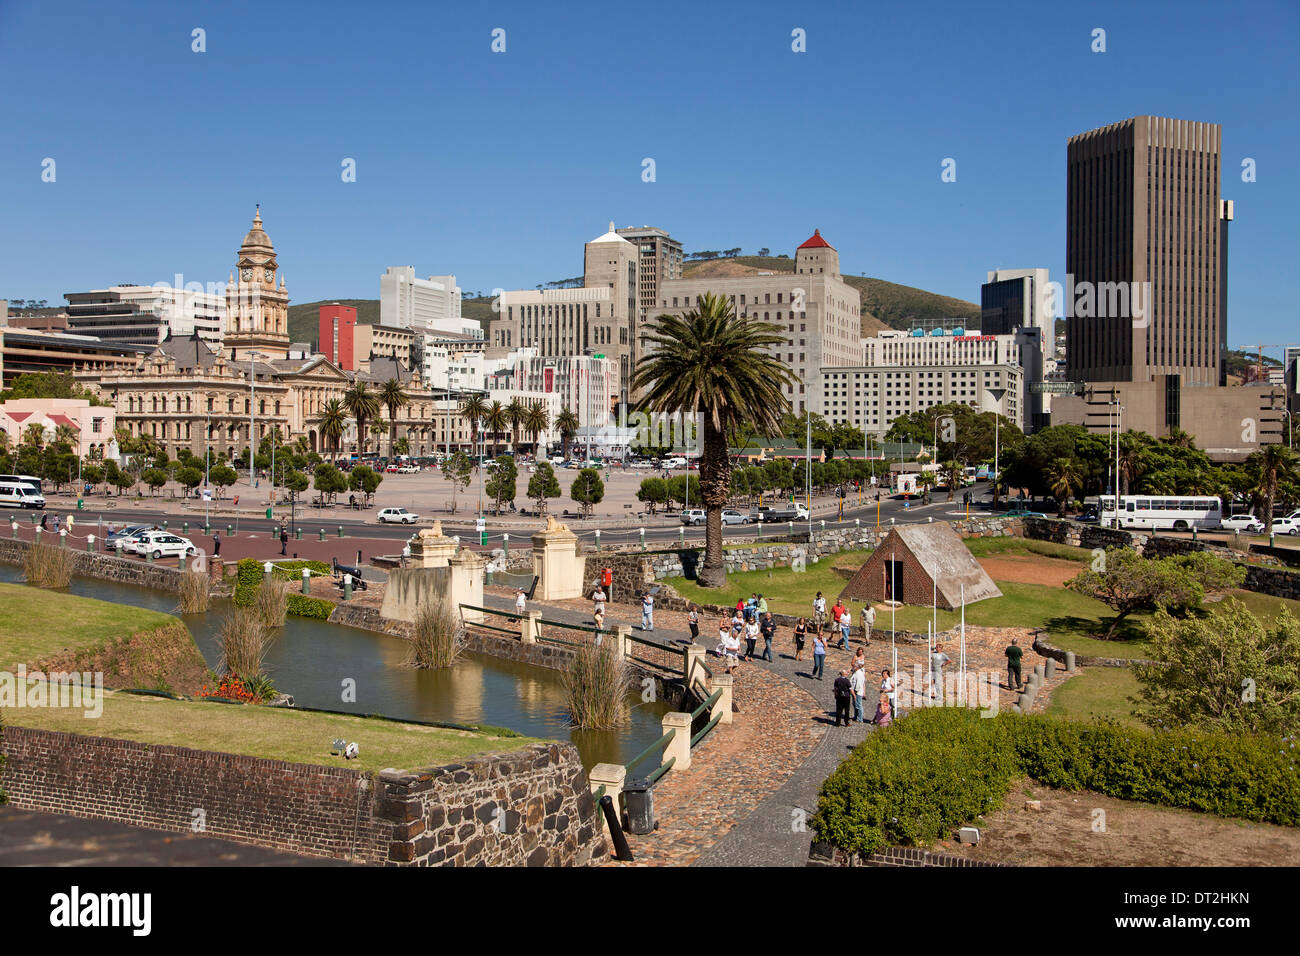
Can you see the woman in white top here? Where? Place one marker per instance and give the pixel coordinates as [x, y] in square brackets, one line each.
[724, 632]
[887, 687]
[732, 650]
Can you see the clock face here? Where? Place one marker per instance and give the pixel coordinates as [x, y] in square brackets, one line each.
[248, 275]
[268, 275]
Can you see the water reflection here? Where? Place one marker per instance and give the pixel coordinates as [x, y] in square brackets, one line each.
[313, 659]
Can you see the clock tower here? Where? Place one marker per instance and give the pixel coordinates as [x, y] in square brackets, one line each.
[257, 310]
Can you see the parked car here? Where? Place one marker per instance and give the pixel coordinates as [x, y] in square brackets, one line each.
[124, 535]
[1289, 524]
[1023, 513]
[732, 516]
[1247, 524]
[159, 544]
[409, 469]
[397, 516]
[640, 463]
[14, 495]
[694, 516]
[1089, 515]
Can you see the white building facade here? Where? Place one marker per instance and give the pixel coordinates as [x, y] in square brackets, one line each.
[423, 305]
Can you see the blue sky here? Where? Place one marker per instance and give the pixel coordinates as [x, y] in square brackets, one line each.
[497, 167]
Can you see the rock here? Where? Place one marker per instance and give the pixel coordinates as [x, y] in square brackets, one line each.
[969, 835]
[1036, 805]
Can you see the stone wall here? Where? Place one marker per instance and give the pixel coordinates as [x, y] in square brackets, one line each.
[826, 854]
[106, 567]
[530, 807]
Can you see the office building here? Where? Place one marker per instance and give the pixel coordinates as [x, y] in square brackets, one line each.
[338, 325]
[145, 315]
[1146, 253]
[819, 314]
[660, 260]
[1015, 299]
[422, 305]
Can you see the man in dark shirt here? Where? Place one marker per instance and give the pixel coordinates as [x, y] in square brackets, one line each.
[843, 694]
[768, 630]
[1014, 654]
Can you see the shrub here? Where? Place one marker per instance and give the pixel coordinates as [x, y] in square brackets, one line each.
[243, 642]
[248, 580]
[194, 592]
[936, 769]
[437, 637]
[272, 603]
[230, 687]
[47, 566]
[596, 687]
[300, 605]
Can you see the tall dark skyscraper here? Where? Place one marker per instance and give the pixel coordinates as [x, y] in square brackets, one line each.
[1146, 253]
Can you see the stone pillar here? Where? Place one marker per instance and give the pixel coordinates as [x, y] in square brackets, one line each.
[692, 658]
[531, 632]
[557, 562]
[431, 548]
[722, 682]
[1069, 662]
[680, 745]
[622, 641]
[1049, 668]
[467, 572]
[611, 776]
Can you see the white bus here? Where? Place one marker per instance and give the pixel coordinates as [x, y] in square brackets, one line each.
[1162, 512]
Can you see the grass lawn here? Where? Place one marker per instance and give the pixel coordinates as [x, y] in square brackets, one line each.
[1097, 692]
[786, 591]
[36, 623]
[273, 732]
[996, 547]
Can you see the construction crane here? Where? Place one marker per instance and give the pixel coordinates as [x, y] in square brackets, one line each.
[1259, 348]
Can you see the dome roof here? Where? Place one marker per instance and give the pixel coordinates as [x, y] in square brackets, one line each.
[610, 236]
[257, 237]
[816, 242]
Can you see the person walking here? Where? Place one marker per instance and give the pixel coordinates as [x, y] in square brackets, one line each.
[751, 638]
[284, 540]
[599, 620]
[846, 625]
[647, 611]
[732, 644]
[521, 605]
[598, 599]
[1014, 652]
[868, 622]
[843, 694]
[937, 659]
[768, 629]
[859, 661]
[884, 712]
[762, 606]
[724, 632]
[800, 632]
[216, 544]
[858, 684]
[819, 655]
[693, 621]
[819, 611]
[45, 521]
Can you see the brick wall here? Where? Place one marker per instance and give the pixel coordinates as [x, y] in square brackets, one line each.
[105, 567]
[528, 807]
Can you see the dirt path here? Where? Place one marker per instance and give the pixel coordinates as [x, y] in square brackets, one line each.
[1067, 832]
[1035, 569]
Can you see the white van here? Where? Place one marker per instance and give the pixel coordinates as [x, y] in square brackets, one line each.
[14, 495]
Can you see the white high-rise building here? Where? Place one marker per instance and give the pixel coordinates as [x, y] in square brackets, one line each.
[146, 314]
[423, 305]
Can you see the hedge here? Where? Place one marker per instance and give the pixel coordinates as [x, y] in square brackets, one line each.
[939, 768]
[248, 578]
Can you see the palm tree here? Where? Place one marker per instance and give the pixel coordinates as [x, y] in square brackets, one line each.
[363, 405]
[495, 421]
[34, 435]
[516, 412]
[567, 424]
[472, 410]
[1129, 463]
[536, 422]
[1272, 466]
[67, 435]
[333, 423]
[1063, 481]
[953, 471]
[394, 397]
[403, 446]
[711, 363]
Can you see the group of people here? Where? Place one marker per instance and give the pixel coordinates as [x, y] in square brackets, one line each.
[851, 691]
[750, 621]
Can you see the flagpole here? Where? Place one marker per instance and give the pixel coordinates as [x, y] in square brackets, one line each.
[961, 691]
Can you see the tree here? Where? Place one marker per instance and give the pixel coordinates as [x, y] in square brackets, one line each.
[1126, 582]
[189, 478]
[653, 492]
[684, 489]
[1064, 482]
[566, 423]
[1272, 466]
[402, 446]
[1228, 671]
[456, 468]
[329, 481]
[364, 479]
[516, 414]
[223, 476]
[333, 423]
[472, 410]
[363, 405]
[155, 478]
[92, 474]
[587, 489]
[724, 368]
[542, 485]
[501, 486]
[394, 398]
[296, 482]
[536, 422]
[495, 422]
